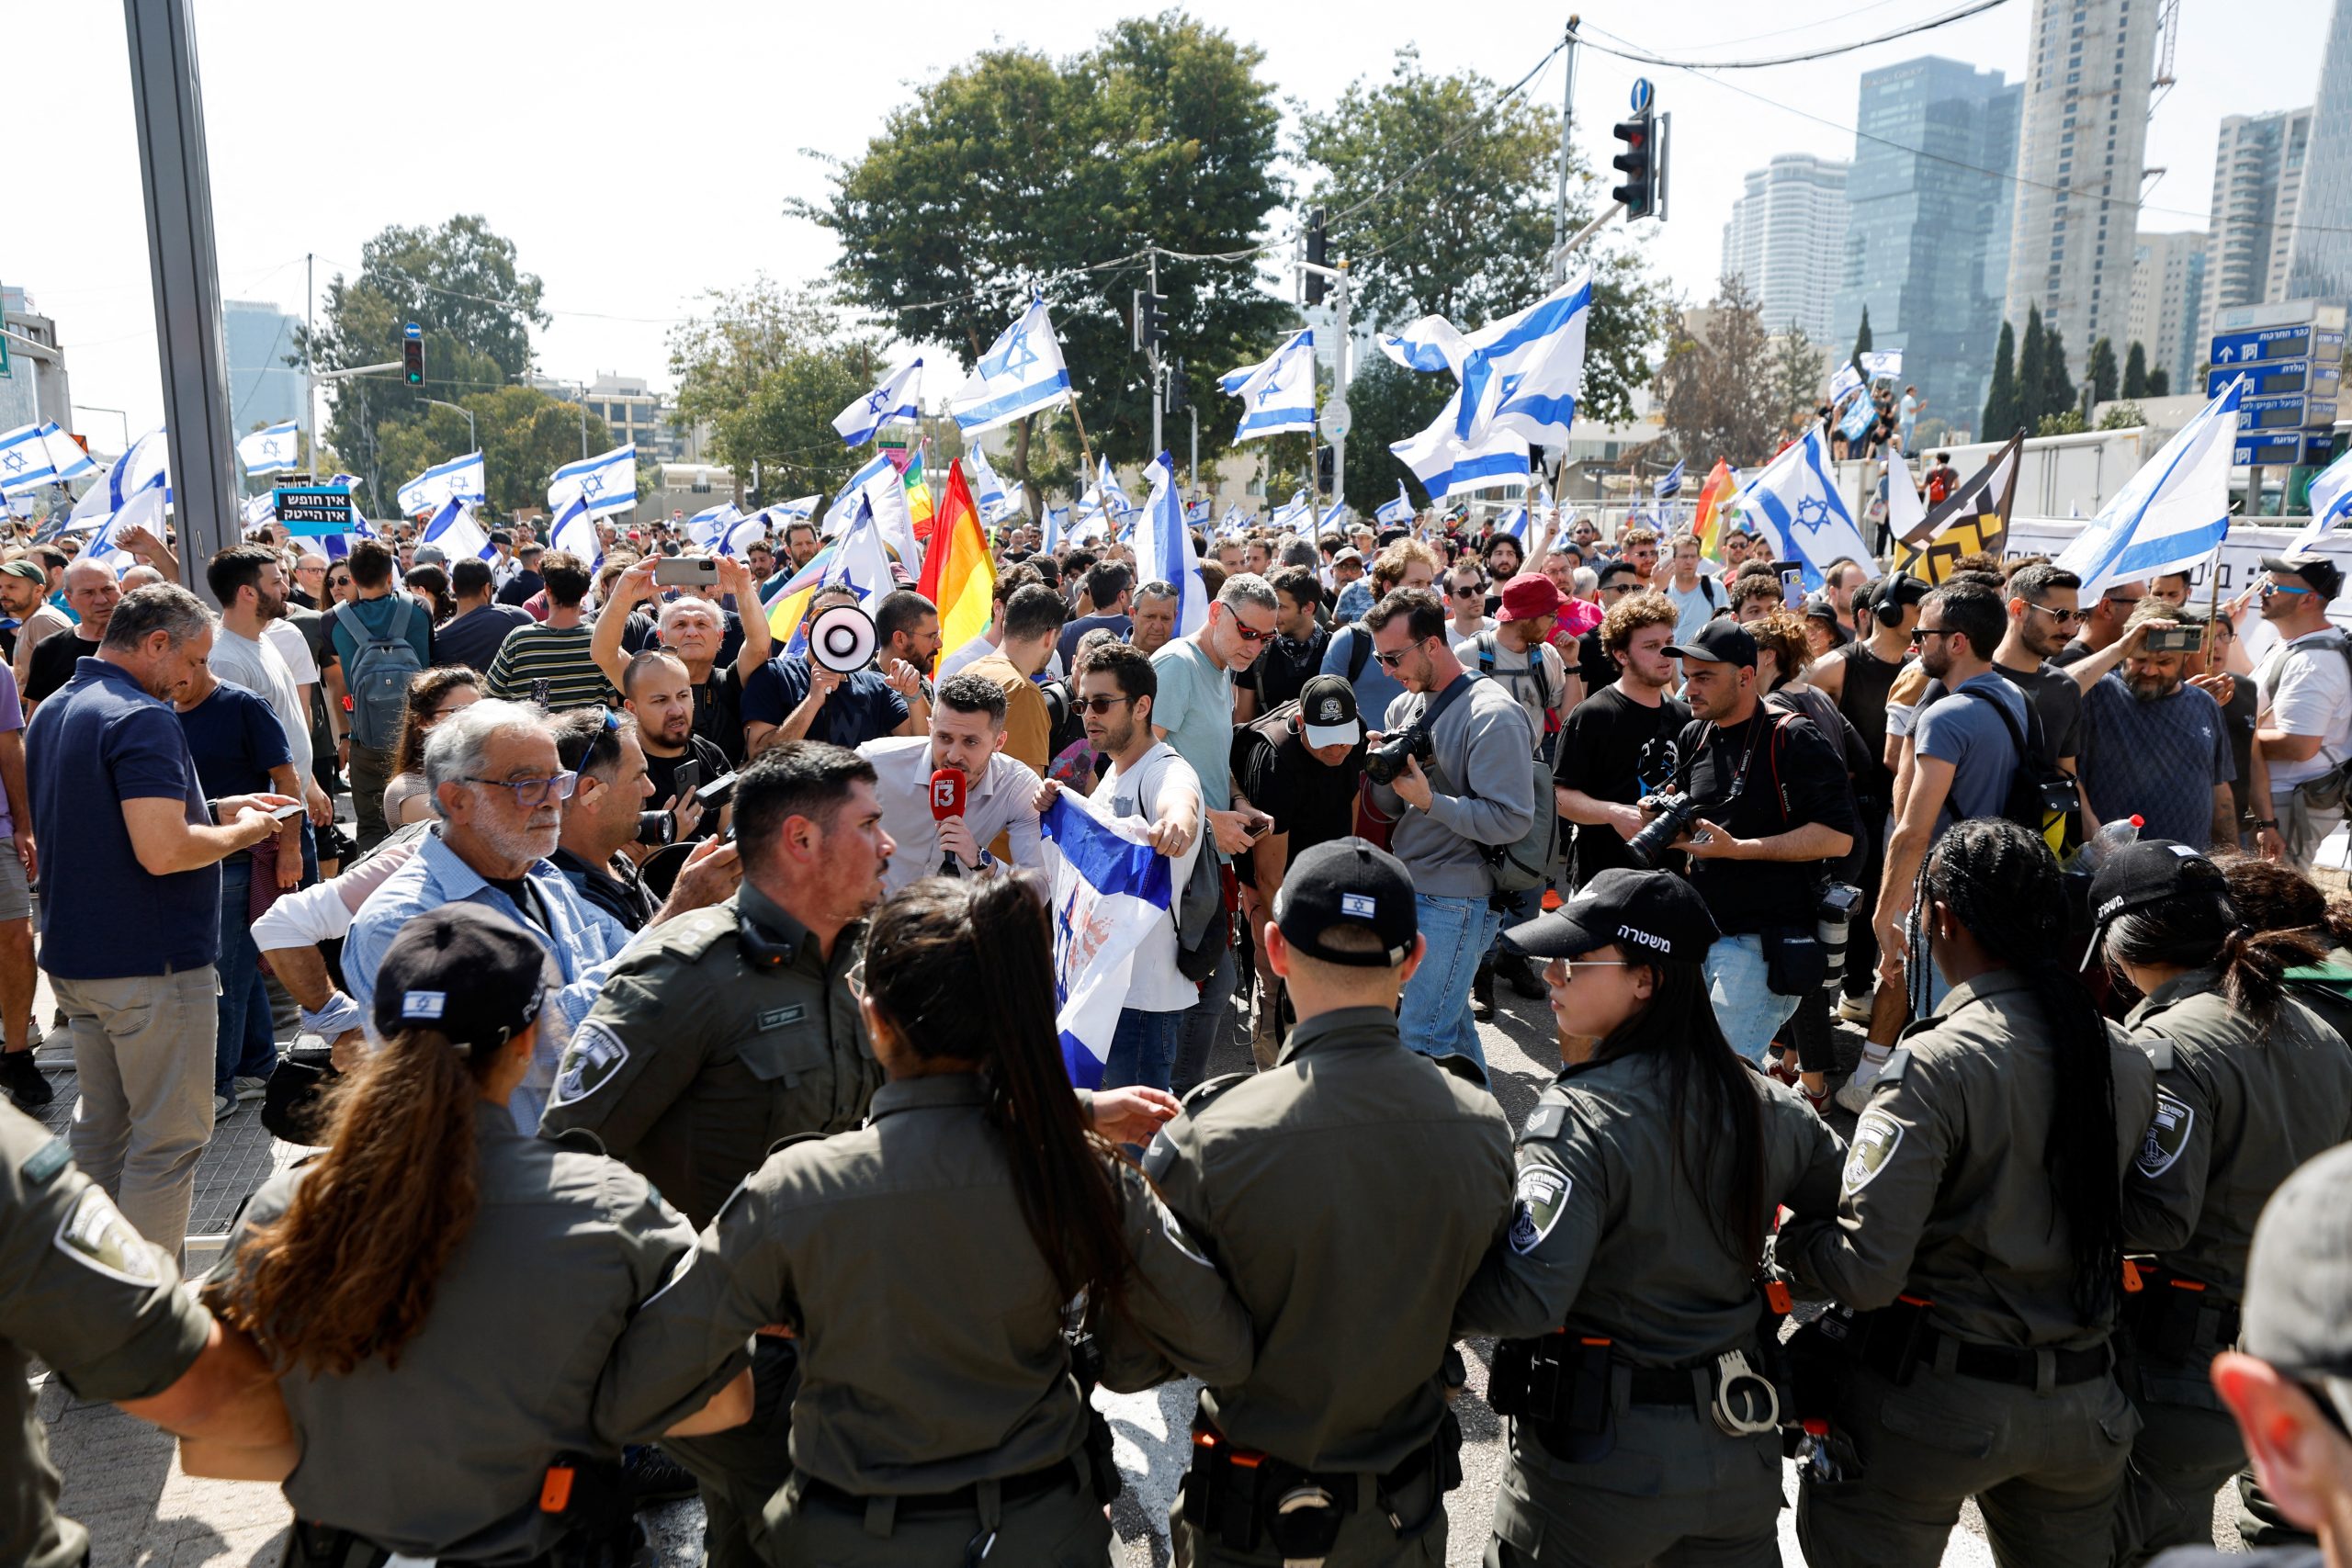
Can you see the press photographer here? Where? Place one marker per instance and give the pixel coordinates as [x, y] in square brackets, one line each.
[1761, 806]
[1452, 766]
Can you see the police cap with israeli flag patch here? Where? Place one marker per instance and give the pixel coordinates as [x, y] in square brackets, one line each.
[463, 970]
[1343, 882]
[1645, 914]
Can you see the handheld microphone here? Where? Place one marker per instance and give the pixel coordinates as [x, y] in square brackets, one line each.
[947, 800]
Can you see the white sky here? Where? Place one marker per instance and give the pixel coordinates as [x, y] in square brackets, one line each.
[569, 127]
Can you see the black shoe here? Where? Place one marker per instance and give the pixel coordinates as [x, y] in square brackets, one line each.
[1517, 971]
[1482, 993]
[654, 1477]
[23, 1081]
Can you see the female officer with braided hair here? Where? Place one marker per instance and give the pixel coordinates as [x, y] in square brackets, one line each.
[2249, 1084]
[1978, 1240]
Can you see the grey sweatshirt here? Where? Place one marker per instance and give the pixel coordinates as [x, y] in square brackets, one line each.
[1485, 782]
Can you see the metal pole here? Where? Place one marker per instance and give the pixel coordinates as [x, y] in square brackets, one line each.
[1151, 356]
[177, 184]
[1192, 470]
[1340, 397]
[310, 354]
[1560, 196]
[471, 444]
[100, 408]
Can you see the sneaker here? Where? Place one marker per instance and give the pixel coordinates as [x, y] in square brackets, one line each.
[1854, 1010]
[1782, 1069]
[1856, 1095]
[23, 1082]
[251, 1088]
[1482, 993]
[653, 1477]
[224, 1108]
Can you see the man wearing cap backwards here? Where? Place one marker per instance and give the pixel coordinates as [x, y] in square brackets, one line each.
[2249, 1084]
[1310, 1183]
[2303, 731]
[1772, 805]
[2288, 1382]
[1646, 1172]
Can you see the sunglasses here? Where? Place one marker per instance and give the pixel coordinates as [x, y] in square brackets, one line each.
[2270, 588]
[1250, 634]
[1098, 704]
[1570, 966]
[1469, 589]
[2063, 618]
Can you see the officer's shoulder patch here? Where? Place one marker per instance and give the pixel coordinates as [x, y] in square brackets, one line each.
[95, 1235]
[589, 1063]
[1895, 1065]
[1158, 1155]
[695, 936]
[1536, 1205]
[46, 1162]
[2159, 1050]
[1544, 1121]
[1208, 1091]
[2167, 1135]
[1876, 1137]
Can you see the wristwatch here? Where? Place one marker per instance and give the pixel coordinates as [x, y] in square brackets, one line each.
[2272, 823]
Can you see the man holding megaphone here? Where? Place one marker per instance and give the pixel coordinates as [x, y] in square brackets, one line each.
[946, 796]
[832, 692]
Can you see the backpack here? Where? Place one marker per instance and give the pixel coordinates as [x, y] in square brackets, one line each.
[1534, 667]
[2042, 797]
[2325, 792]
[1527, 863]
[378, 677]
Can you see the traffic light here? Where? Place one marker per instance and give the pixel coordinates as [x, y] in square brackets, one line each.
[412, 354]
[1323, 469]
[1176, 399]
[1151, 319]
[1639, 193]
[1319, 251]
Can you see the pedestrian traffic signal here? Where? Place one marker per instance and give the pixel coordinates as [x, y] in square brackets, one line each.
[412, 358]
[1318, 252]
[1176, 399]
[1151, 319]
[1639, 193]
[1323, 469]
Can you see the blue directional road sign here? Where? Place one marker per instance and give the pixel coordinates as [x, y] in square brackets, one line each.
[2304, 342]
[412, 330]
[2272, 449]
[2275, 378]
[2291, 410]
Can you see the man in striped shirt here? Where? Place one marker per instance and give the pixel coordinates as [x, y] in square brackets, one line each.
[558, 652]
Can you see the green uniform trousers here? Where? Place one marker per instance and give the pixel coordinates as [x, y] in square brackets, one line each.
[740, 1469]
[2045, 1468]
[1065, 1528]
[1366, 1538]
[2187, 1449]
[1675, 1490]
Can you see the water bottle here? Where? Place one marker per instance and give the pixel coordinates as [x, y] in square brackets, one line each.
[2109, 839]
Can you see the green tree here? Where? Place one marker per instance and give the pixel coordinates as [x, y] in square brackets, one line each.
[2032, 378]
[1017, 173]
[2057, 386]
[525, 435]
[1386, 403]
[2002, 414]
[2064, 422]
[2121, 417]
[2135, 371]
[1796, 373]
[2159, 382]
[1716, 388]
[461, 284]
[1862, 336]
[1441, 201]
[2103, 372]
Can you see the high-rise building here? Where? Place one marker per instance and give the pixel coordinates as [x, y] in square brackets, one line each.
[2079, 162]
[35, 387]
[630, 408]
[1927, 208]
[2320, 259]
[2169, 305]
[2258, 189]
[1787, 240]
[264, 388]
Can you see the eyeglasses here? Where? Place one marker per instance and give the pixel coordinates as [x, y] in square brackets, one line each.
[532, 794]
[1572, 964]
[1619, 587]
[2063, 618]
[1098, 704]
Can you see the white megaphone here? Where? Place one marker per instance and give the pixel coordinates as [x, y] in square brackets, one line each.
[841, 639]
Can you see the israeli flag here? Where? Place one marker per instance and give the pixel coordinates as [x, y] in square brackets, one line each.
[2172, 512]
[147, 466]
[1446, 465]
[1022, 373]
[1196, 514]
[2331, 503]
[1332, 519]
[1795, 498]
[32, 456]
[1848, 379]
[1522, 374]
[608, 480]
[894, 519]
[574, 530]
[1277, 394]
[857, 563]
[1858, 415]
[837, 518]
[1057, 524]
[1671, 484]
[460, 479]
[1881, 364]
[262, 508]
[144, 508]
[1110, 888]
[1429, 345]
[269, 451]
[454, 529]
[1114, 500]
[899, 398]
[1237, 521]
[705, 527]
[1164, 551]
[988, 491]
[1298, 510]
[1397, 511]
[1513, 525]
[738, 538]
[798, 510]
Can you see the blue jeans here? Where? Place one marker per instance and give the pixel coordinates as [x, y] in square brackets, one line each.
[1202, 1020]
[1143, 1048]
[1748, 1012]
[245, 1045]
[1435, 1012]
[1525, 905]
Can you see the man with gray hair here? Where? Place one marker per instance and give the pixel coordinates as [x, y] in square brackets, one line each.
[1193, 713]
[498, 788]
[1154, 618]
[130, 902]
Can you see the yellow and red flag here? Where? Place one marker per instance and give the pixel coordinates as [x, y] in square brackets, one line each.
[958, 574]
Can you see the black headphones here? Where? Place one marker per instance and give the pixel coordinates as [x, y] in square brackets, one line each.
[1885, 607]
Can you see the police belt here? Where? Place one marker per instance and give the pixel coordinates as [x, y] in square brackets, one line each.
[962, 1500]
[1897, 1355]
[1243, 1497]
[2174, 1317]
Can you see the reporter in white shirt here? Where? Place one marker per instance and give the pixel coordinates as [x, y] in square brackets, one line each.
[1000, 794]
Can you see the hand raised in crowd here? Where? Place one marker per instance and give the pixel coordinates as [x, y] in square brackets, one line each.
[905, 679]
[634, 586]
[955, 839]
[685, 815]
[823, 683]
[1133, 1113]
[735, 581]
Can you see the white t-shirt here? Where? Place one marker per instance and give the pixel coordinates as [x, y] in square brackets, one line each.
[2306, 690]
[293, 648]
[1154, 983]
[256, 664]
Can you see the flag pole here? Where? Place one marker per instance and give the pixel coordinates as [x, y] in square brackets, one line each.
[1084, 451]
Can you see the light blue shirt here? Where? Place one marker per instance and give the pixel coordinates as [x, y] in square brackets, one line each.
[583, 943]
[1195, 707]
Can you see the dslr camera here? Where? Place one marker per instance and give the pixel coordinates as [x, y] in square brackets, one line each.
[1382, 762]
[1670, 818]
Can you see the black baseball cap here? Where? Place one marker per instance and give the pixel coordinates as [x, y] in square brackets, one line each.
[1327, 712]
[2299, 1275]
[1348, 882]
[2322, 573]
[464, 970]
[501, 536]
[1655, 914]
[2150, 871]
[1717, 642]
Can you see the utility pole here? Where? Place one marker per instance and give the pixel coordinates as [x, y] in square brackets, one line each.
[310, 354]
[1151, 358]
[1560, 196]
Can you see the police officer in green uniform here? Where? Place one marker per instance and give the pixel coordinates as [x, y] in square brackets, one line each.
[1977, 1242]
[102, 1307]
[2250, 1084]
[1349, 1192]
[440, 1293]
[1636, 1356]
[935, 1266]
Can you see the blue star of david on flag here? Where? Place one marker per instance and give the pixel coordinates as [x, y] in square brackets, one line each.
[897, 398]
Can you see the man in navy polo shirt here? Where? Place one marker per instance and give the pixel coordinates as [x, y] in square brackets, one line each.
[130, 902]
[797, 699]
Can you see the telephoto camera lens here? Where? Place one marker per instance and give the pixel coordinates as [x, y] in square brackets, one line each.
[1673, 815]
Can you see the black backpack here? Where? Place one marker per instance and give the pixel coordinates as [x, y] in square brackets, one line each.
[2042, 797]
